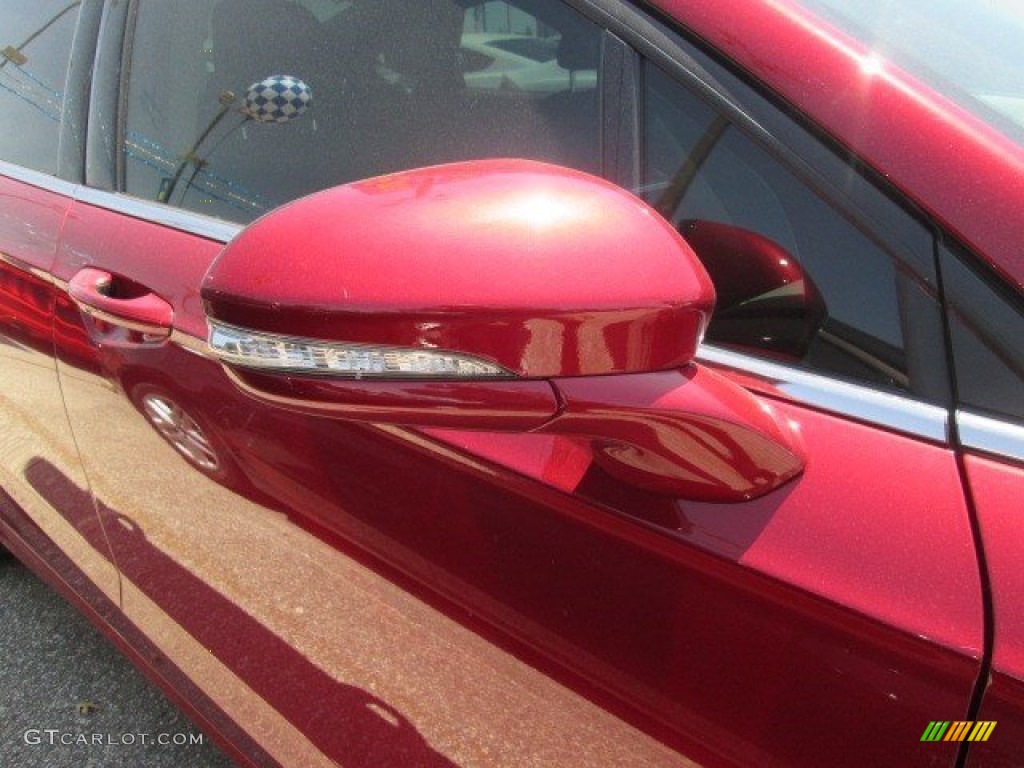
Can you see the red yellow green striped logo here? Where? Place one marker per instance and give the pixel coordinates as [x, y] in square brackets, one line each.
[958, 730]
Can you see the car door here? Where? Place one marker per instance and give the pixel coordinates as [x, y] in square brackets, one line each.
[374, 594]
[233, 566]
[46, 510]
[985, 326]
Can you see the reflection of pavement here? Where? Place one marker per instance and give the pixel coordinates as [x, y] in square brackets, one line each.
[53, 660]
[237, 595]
[33, 427]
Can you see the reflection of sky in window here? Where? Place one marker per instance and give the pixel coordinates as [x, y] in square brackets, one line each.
[972, 52]
[31, 90]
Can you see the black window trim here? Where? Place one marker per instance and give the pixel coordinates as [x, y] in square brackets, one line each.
[77, 90]
[976, 428]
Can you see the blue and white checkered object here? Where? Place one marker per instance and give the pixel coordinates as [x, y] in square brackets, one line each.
[277, 99]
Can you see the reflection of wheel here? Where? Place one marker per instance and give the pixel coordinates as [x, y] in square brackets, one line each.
[187, 431]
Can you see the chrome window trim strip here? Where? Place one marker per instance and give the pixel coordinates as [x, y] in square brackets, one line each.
[883, 409]
[158, 213]
[175, 218]
[38, 179]
[989, 435]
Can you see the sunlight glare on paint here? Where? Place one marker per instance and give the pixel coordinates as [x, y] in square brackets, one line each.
[872, 64]
[541, 211]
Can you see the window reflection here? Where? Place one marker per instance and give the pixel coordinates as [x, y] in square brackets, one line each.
[35, 47]
[394, 84]
[797, 281]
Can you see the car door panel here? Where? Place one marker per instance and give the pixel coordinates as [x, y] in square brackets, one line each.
[788, 537]
[995, 490]
[231, 568]
[985, 321]
[680, 611]
[54, 519]
[796, 537]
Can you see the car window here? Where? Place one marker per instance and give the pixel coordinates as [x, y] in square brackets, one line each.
[271, 100]
[530, 46]
[986, 328]
[797, 280]
[35, 48]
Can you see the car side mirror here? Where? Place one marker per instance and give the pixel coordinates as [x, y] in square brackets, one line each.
[766, 301]
[496, 295]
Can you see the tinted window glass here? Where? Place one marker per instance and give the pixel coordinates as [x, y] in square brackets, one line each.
[35, 47]
[986, 329]
[536, 48]
[797, 280]
[367, 87]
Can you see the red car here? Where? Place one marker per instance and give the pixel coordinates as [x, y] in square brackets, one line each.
[672, 416]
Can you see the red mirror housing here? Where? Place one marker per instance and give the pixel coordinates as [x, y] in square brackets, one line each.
[542, 270]
[501, 295]
[766, 301]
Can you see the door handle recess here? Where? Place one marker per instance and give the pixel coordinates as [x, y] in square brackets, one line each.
[121, 303]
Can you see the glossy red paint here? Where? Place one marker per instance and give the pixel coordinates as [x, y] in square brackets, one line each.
[135, 260]
[121, 303]
[108, 617]
[63, 527]
[26, 305]
[743, 264]
[757, 280]
[728, 630]
[545, 270]
[911, 135]
[488, 405]
[873, 556]
[996, 489]
[688, 434]
[371, 595]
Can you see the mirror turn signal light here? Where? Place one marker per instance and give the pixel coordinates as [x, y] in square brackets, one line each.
[266, 352]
